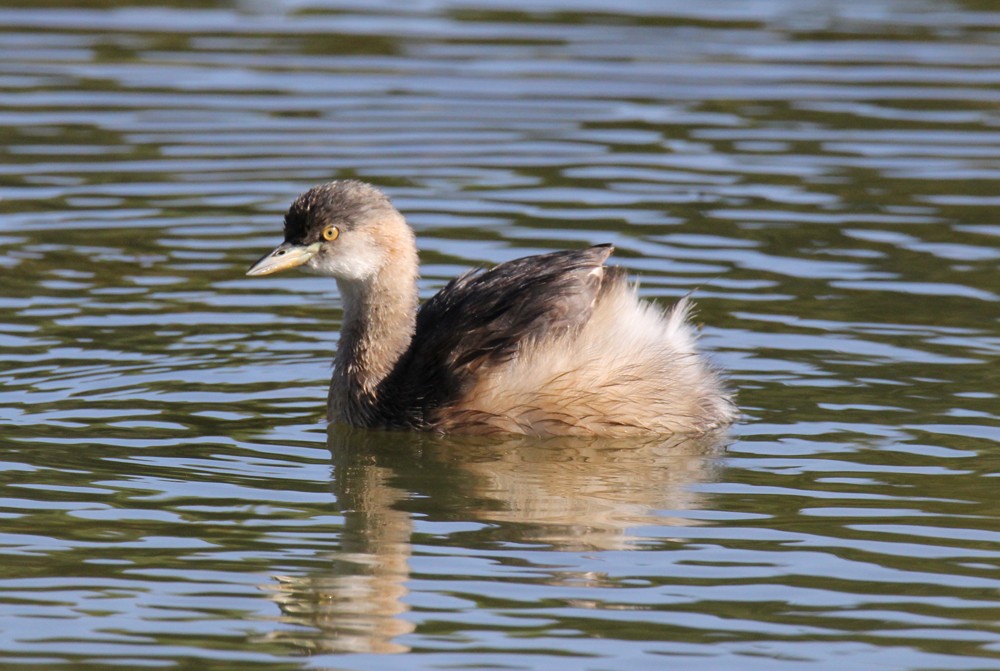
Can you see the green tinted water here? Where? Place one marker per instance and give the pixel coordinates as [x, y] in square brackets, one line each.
[825, 174]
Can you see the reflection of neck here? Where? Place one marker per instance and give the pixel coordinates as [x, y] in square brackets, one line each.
[379, 318]
[356, 600]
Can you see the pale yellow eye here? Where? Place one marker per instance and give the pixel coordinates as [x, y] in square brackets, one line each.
[331, 233]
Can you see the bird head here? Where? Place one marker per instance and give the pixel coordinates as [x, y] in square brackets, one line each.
[344, 229]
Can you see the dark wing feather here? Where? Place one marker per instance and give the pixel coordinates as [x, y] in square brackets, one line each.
[482, 319]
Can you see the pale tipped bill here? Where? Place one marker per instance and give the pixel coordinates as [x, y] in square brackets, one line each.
[284, 256]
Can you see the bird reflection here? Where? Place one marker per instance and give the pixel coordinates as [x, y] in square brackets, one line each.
[564, 494]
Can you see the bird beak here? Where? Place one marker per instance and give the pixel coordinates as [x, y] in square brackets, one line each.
[284, 256]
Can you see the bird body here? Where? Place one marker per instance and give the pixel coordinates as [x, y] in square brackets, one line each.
[553, 344]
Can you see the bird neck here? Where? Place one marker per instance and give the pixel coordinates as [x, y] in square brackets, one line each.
[378, 325]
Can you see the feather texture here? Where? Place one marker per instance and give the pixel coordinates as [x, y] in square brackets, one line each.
[554, 344]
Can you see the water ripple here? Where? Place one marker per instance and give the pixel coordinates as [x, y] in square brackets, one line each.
[822, 175]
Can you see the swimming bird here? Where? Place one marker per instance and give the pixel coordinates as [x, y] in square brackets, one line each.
[553, 344]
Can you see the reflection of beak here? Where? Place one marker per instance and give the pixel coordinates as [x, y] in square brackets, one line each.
[284, 256]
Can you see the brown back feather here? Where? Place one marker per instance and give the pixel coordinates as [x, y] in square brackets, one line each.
[482, 319]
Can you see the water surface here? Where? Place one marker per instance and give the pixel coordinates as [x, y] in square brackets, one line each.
[823, 174]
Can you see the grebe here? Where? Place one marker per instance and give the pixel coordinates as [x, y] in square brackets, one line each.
[554, 344]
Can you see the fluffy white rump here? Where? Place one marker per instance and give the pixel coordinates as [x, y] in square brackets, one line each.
[631, 369]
